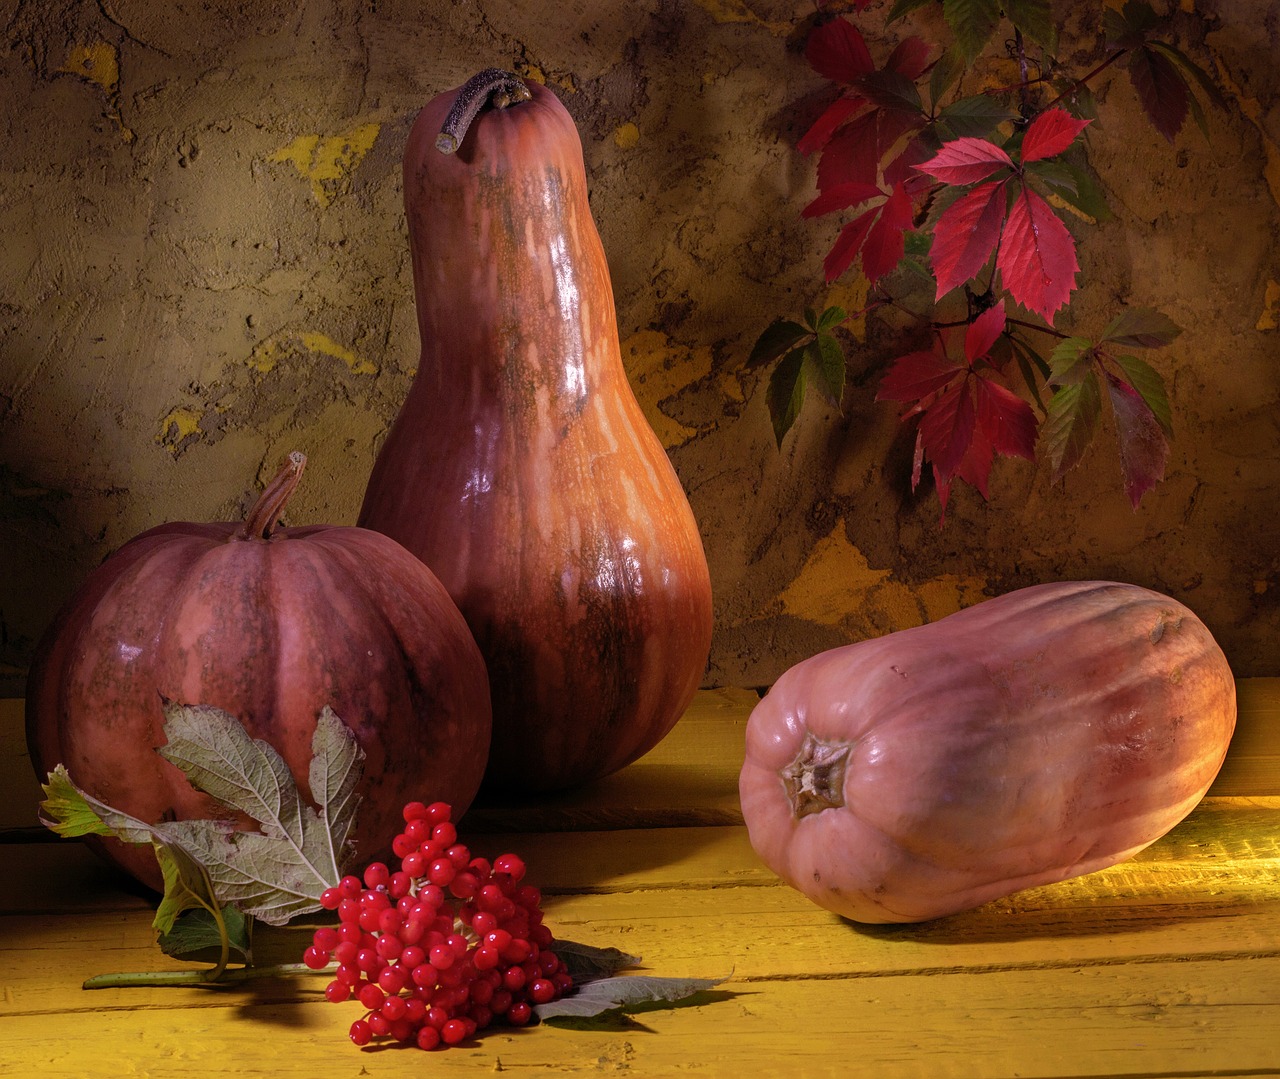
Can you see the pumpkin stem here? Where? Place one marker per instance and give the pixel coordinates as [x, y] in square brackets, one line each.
[261, 521]
[492, 86]
[814, 781]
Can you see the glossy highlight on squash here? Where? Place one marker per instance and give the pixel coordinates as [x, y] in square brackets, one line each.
[521, 468]
[1041, 735]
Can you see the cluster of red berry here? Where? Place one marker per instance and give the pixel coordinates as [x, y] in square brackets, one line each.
[441, 948]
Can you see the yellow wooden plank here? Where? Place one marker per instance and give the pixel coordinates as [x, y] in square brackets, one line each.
[1204, 1018]
[757, 932]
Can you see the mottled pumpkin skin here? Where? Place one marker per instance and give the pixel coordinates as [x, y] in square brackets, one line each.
[270, 630]
[521, 468]
[1044, 734]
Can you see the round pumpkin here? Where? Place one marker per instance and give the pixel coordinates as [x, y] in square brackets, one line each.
[270, 624]
[1044, 734]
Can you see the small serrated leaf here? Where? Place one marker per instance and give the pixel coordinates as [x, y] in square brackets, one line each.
[779, 337]
[826, 361]
[624, 992]
[830, 318]
[1070, 361]
[1141, 327]
[1070, 424]
[785, 394]
[975, 117]
[197, 931]
[972, 22]
[585, 962]
[1150, 386]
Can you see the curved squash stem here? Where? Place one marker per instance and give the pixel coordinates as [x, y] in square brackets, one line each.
[492, 86]
[261, 521]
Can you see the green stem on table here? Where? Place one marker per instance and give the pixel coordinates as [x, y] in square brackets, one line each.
[216, 978]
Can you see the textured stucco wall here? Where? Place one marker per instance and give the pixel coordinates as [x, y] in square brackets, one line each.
[205, 266]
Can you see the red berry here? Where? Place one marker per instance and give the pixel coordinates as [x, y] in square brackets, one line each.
[415, 811]
[438, 812]
[350, 887]
[376, 875]
[428, 1037]
[441, 872]
[393, 978]
[400, 885]
[360, 1032]
[371, 996]
[330, 898]
[403, 844]
[510, 864]
[513, 978]
[380, 1026]
[394, 1008]
[315, 959]
[453, 1031]
[486, 957]
[414, 863]
[445, 834]
[541, 990]
[337, 991]
[519, 1013]
[347, 973]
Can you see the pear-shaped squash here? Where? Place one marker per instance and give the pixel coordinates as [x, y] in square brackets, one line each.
[520, 468]
[270, 624]
[1050, 732]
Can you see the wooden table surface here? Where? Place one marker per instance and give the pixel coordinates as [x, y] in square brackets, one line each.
[1167, 966]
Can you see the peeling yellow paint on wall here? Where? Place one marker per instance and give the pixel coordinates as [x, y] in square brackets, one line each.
[626, 136]
[1270, 317]
[98, 62]
[1252, 111]
[327, 161]
[266, 354]
[837, 584]
[181, 422]
[852, 296]
[737, 11]
[657, 369]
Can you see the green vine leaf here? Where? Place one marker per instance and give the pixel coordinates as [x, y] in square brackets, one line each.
[973, 22]
[779, 337]
[1141, 327]
[1150, 386]
[785, 395]
[1070, 424]
[621, 994]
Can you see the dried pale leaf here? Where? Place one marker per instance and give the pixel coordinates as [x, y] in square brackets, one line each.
[586, 962]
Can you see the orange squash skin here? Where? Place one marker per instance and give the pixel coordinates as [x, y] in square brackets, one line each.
[521, 468]
[1041, 735]
[270, 630]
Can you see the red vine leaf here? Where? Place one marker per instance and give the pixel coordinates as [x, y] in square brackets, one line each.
[916, 375]
[1037, 258]
[885, 242]
[852, 154]
[826, 125]
[946, 429]
[966, 160]
[841, 197]
[848, 244]
[1005, 420]
[1143, 449]
[837, 51]
[1050, 134]
[1161, 89]
[910, 58]
[983, 332]
[966, 234]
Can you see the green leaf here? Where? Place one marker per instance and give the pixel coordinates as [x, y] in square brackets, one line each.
[587, 963]
[975, 117]
[69, 812]
[1070, 361]
[1150, 386]
[946, 72]
[781, 335]
[786, 393]
[1035, 19]
[198, 931]
[1031, 364]
[831, 318]
[972, 22]
[826, 360]
[622, 993]
[1141, 327]
[1070, 423]
[903, 7]
[186, 886]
